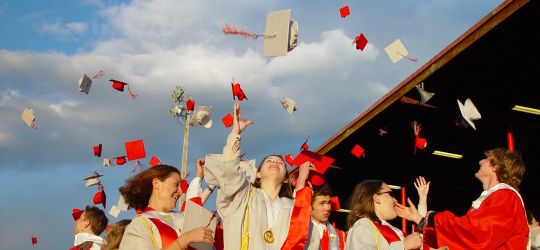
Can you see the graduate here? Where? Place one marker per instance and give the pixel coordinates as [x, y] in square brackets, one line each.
[372, 206]
[496, 220]
[255, 216]
[89, 224]
[156, 192]
[322, 234]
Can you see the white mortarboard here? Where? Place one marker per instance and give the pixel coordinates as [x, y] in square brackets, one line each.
[396, 50]
[282, 33]
[469, 112]
[28, 117]
[197, 216]
[122, 205]
[84, 84]
[289, 105]
[92, 179]
[114, 211]
[201, 116]
[106, 162]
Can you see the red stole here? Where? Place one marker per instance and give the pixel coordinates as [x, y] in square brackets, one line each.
[324, 240]
[299, 223]
[387, 232]
[167, 234]
[342, 238]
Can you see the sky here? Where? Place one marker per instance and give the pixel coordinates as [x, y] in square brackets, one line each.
[46, 46]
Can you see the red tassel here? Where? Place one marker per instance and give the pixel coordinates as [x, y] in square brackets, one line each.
[131, 93]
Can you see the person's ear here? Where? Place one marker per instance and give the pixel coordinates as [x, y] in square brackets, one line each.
[156, 183]
[376, 199]
[258, 175]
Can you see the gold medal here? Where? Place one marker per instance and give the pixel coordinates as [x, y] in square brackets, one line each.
[268, 236]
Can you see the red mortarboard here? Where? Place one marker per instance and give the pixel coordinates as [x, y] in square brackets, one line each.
[357, 151]
[119, 85]
[360, 42]
[227, 120]
[97, 150]
[334, 203]
[289, 159]
[135, 150]
[237, 91]
[120, 160]
[34, 240]
[190, 104]
[344, 11]
[419, 142]
[321, 163]
[76, 213]
[100, 198]
[154, 161]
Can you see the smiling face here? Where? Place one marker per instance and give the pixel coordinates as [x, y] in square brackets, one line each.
[384, 203]
[273, 167]
[167, 192]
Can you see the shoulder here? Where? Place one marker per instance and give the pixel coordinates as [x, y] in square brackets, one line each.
[361, 224]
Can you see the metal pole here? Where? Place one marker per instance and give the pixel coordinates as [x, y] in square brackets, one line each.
[404, 203]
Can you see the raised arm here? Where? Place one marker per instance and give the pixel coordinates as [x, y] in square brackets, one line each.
[422, 187]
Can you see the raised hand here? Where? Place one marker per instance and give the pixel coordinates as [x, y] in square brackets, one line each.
[200, 168]
[238, 124]
[422, 187]
[408, 213]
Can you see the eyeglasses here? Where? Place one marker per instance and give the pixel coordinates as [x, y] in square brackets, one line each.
[386, 192]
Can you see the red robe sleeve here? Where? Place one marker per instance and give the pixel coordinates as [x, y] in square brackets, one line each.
[299, 225]
[499, 223]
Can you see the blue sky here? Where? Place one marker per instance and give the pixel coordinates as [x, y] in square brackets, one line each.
[46, 46]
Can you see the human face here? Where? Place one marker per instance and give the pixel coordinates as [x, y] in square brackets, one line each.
[384, 203]
[168, 192]
[272, 167]
[320, 210]
[81, 224]
[486, 171]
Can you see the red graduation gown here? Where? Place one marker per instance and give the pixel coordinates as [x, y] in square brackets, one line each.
[499, 223]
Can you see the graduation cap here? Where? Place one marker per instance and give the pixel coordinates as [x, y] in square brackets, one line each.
[227, 120]
[419, 142]
[396, 50]
[107, 162]
[357, 151]
[121, 206]
[279, 23]
[28, 117]
[120, 160]
[92, 179]
[190, 104]
[344, 11]
[424, 95]
[197, 200]
[280, 35]
[34, 240]
[335, 205]
[119, 85]
[100, 197]
[97, 150]
[289, 159]
[288, 104]
[237, 91]
[305, 145]
[84, 84]
[321, 162]
[154, 161]
[76, 213]
[469, 112]
[114, 211]
[201, 116]
[135, 150]
[360, 41]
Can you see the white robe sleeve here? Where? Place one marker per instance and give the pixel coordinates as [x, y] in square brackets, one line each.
[194, 189]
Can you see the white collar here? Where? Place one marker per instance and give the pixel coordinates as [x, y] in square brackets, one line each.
[476, 203]
[83, 237]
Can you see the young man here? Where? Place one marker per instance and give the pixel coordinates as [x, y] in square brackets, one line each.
[322, 235]
[496, 219]
[89, 224]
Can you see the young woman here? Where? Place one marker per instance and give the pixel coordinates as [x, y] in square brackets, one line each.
[372, 205]
[255, 216]
[155, 192]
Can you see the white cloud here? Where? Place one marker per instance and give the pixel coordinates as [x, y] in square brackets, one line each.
[63, 31]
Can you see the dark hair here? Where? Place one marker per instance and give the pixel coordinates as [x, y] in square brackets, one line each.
[530, 216]
[138, 189]
[97, 218]
[361, 202]
[115, 234]
[286, 190]
[511, 166]
[322, 190]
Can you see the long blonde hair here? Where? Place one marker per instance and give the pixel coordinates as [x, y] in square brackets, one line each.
[114, 235]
